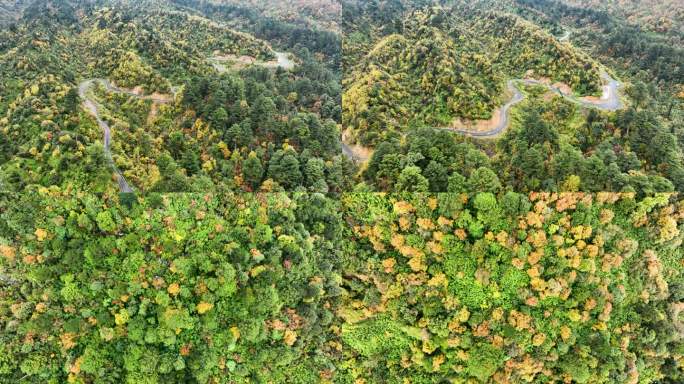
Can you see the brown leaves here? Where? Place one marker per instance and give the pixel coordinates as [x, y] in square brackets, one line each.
[173, 289]
[668, 228]
[567, 200]
[482, 329]
[606, 216]
[75, 368]
[185, 350]
[438, 280]
[67, 340]
[565, 332]
[8, 253]
[537, 239]
[534, 219]
[519, 320]
[425, 224]
[289, 337]
[388, 264]
[403, 207]
[417, 262]
[534, 257]
[538, 339]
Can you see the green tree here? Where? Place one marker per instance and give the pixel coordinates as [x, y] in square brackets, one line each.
[483, 180]
[411, 180]
[253, 170]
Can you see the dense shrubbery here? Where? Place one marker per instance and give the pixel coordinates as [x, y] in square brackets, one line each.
[223, 131]
[401, 55]
[169, 289]
[489, 283]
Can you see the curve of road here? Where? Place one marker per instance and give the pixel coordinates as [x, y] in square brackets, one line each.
[93, 108]
[565, 37]
[609, 101]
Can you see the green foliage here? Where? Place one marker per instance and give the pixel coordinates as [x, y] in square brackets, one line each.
[484, 361]
[468, 283]
[376, 337]
[439, 65]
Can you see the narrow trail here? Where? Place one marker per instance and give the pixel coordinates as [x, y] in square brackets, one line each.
[93, 108]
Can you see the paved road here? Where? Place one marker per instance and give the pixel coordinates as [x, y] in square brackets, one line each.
[347, 151]
[282, 60]
[93, 108]
[565, 36]
[609, 101]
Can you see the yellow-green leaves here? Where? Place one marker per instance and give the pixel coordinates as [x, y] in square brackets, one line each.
[121, 317]
[204, 307]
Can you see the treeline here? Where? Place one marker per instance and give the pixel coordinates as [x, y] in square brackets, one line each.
[633, 47]
[285, 34]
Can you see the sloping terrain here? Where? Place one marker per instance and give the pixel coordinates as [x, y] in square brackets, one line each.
[219, 125]
[655, 15]
[443, 65]
[320, 13]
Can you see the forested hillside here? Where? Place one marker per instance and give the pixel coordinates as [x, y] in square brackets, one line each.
[419, 79]
[660, 16]
[320, 13]
[540, 288]
[199, 128]
[341, 192]
[442, 64]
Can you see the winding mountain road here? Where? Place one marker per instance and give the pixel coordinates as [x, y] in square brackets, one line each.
[565, 37]
[609, 101]
[93, 108]
[282, 60]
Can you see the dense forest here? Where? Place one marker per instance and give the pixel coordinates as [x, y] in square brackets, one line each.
[434, 65]
[352, 192]
[238, 130]
[414, 70]
[364, 288]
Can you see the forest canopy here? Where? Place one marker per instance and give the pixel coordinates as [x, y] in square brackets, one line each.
[352, 192]
[305, 288]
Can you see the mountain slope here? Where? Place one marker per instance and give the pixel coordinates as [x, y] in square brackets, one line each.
[212, 125]
[446, 64]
